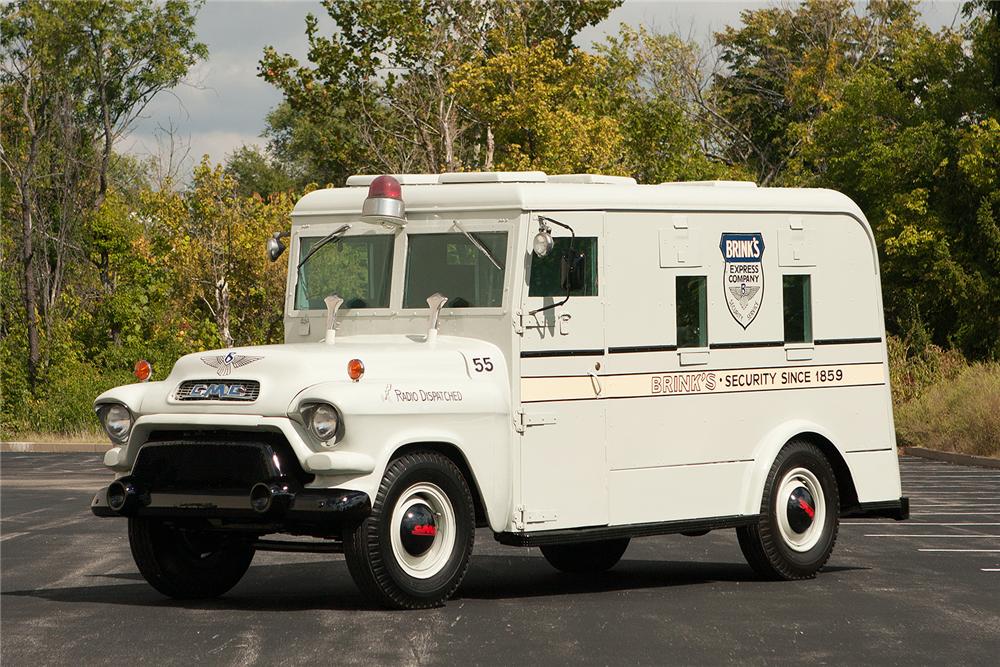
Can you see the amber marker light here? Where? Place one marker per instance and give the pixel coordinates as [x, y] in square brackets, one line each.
[143, 370]
[355, 369]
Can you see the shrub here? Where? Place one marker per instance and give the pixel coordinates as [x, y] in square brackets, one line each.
[914, 368]
[961, 414]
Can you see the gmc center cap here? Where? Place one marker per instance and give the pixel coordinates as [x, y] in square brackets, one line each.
[418, 529]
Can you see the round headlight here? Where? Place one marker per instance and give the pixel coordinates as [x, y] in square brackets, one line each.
[323, 421]
[117, 422]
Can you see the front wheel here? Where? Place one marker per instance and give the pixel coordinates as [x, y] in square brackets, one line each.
[799, 516]
[413, 550]
[186, 563]
[586, 557]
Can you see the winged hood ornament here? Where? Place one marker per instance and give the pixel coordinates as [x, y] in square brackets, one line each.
[225, 363]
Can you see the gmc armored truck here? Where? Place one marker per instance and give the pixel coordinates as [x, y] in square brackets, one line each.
[570, 361]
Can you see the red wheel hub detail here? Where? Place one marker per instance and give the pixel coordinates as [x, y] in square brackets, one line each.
[418, 529]
[806, 508]
[801, 509]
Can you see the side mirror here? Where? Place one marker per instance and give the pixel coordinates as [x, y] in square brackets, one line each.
[275, 247]
[571, 271]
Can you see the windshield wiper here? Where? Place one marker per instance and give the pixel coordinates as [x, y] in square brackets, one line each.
[329, 238]
[332, 237]
[479, 246]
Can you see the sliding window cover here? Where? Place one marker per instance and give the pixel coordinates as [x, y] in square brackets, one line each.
[692, 311]
[545, 279]
[797, 297]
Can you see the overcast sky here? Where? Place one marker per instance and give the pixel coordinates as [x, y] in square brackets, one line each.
[222, 104]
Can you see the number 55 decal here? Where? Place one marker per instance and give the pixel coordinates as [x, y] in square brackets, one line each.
[482, 364]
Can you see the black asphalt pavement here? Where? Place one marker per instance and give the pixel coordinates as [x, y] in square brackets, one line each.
[917, 592]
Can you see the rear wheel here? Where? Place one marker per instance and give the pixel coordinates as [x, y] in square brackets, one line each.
[586, 557]
[187, 563]
[799, 516]
[413, 550]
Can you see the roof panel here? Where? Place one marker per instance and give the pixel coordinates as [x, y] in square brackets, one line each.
[494, 177]
[601, 179]
[364, 180]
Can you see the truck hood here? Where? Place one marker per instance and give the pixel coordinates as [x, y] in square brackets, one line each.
[284, 371]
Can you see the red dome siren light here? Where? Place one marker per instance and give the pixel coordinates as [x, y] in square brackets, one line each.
[384, 205]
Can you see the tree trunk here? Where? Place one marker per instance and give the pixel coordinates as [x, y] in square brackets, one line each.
[490, 146]
[30, 288]
[447, 135]
[222, 311]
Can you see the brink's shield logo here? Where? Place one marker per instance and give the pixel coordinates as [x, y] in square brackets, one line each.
[743, 274]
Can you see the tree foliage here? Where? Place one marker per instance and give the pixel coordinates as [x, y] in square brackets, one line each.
[880, 107]
[74, 76]
[108, 262]
[379, 94]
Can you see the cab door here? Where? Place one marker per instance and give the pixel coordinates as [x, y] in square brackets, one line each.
[562, 424]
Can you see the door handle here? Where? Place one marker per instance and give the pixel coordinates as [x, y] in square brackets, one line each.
[596, 382]
[563, 320]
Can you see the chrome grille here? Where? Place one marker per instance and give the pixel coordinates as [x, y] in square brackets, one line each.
[213, 390]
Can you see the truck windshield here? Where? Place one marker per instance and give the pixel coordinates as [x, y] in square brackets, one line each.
[452, 265]
[358, 268]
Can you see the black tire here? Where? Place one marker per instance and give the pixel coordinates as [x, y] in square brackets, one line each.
[769, 545]
[585, 557]
[380, 568]
[187, 564]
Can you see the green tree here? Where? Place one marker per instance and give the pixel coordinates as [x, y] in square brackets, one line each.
[257, 173]
[223, 289]
[882, 108]
[544, 113]
[785, 66]
[378, 95]
[654, 86]
[74, 78]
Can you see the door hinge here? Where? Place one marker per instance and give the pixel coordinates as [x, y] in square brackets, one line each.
[518, 321]
[521, 420]
[523, 517]
[518, 518]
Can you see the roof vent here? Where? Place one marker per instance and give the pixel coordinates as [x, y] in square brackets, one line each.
[364, 180]
[588, 179]
[714, 184]
[494, 177]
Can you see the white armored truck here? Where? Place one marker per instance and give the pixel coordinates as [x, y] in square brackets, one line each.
[570, 361]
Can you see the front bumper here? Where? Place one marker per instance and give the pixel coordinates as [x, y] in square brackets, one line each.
[248, 480]
[314, 507]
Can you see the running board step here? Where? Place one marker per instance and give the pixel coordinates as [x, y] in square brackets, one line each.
[299, 547]
[597, 533]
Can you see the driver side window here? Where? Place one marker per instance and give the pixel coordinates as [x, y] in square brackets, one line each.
[546, 272]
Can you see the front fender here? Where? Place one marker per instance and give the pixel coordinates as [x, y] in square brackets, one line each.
[470, 417]
[131, 395]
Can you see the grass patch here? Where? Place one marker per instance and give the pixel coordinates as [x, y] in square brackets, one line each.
[82, 436]
[957, 414]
